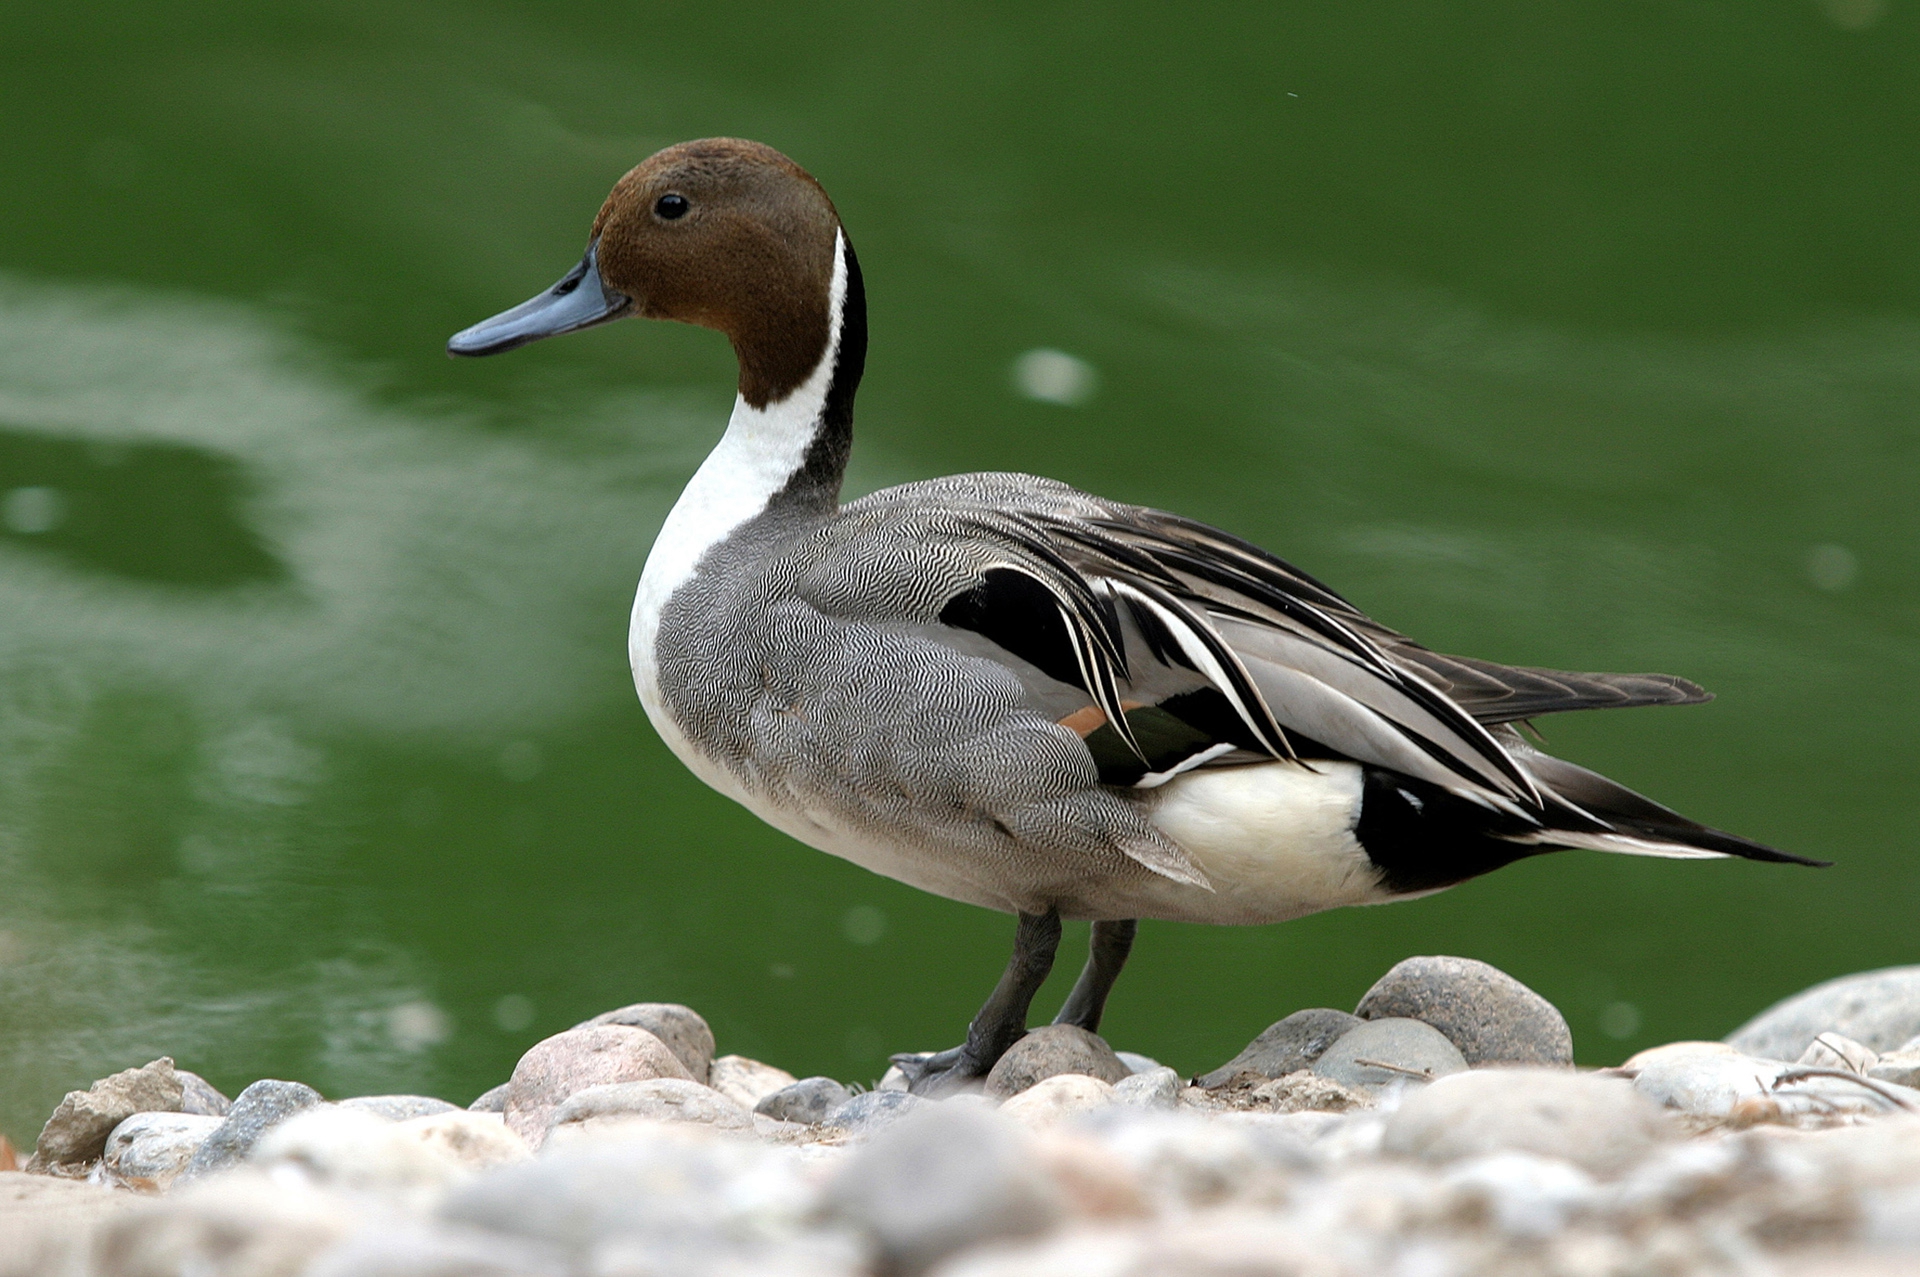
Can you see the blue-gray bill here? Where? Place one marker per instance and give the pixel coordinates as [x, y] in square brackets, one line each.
[579, 300]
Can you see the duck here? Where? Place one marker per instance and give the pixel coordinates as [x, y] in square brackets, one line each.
[1017, 695]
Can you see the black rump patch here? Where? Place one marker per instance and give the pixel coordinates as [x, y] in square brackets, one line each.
[1421, 837]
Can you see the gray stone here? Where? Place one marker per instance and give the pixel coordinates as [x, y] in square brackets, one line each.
[255, 1111]
[871, 1110]
[76, 1134]
[239, 1225]
[399, 1108]
[1597, 1123]
[1706, 1085]
[1837, 1051]
[574, 1060]
[200, 1097]
[747, 1082]
[477, 1141]
[1136, 1062]
[1157, 1088]
[413, 1250]
[941, 1180]
[1286, 1046]
[1308, 1092]
[336, 1147]
[666, 1099]
[1878, 1009]
[655, 1184]
[1055, 1099]
[46, 1224]
[147, 1152]
[809, 1100]
[1490, 1016]
[681, 1028]
[1416, 1051]
[1052, 1050]
[1901, 1067]
[491, 1101]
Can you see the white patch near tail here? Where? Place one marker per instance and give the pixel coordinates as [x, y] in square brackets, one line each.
[1275, 839]
[1622, 844]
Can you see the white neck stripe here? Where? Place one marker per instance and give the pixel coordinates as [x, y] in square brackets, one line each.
[758, 456]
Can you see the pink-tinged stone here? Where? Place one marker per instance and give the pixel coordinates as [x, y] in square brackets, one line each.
[568, 1063]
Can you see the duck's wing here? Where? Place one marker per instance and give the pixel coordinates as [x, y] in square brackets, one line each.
[1196, 648]
[1166, 645]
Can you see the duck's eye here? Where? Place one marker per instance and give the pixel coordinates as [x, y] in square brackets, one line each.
[670, 207]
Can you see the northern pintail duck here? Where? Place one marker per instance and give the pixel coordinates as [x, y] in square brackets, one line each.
[1011, 693]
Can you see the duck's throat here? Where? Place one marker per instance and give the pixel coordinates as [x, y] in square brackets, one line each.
[787, 455]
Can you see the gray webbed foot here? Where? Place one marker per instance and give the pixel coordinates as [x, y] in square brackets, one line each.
[950, 1072]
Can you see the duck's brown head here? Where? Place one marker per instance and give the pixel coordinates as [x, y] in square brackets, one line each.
[723, 233]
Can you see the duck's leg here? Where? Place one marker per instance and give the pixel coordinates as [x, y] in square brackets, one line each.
[1106, 954]
[1001, 1022]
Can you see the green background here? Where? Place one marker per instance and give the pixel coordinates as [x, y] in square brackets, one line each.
[1575, 335]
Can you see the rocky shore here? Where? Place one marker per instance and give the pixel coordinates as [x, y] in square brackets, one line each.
[1440, 1128]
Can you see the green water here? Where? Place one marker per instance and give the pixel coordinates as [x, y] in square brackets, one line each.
[1570, 335]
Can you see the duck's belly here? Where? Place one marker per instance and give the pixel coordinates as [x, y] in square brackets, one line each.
[1275, 840]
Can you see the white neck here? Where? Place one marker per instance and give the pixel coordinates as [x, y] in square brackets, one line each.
[760, 453]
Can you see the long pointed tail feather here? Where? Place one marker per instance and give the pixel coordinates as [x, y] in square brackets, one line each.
[1633, 824]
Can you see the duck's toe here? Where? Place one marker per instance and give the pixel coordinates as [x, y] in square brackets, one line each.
[944, 1073]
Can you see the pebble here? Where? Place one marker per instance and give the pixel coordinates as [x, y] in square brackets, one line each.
[1416, 1049]
[238, 1225]
[1834, 1051]
[1900, 1067]
[575, 1060]
[1286, 1046]
[1524, 1195]
[399, 1108]
[1054, 1099]
[199, 1096]
[1308, 1092]
[76, 1134]
[147, 1152]
[808, 1101]
[492, 1100]
[1189, 1161]
[871, 1110]
[683, 1030]
[658, 1100]
[747, 1082]
[355, 1149]
[1673, 1051]
[1157, 1088]
[685, 1195]
[942, 1179]
[416, 1250]
[1490, 1016]
[256, 1110]
[46, 1222]
[1136, 1062]
[1502, 1171]
[1051, 1050]
[1879, 1009]
[476, 1141]
[1596, 1123]
[1704, 1084]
